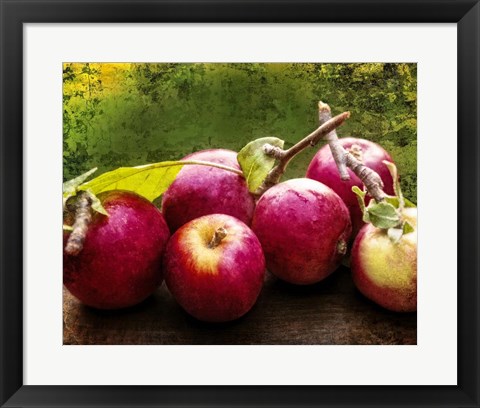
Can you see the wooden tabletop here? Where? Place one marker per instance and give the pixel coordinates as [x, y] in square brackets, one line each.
[330, 312]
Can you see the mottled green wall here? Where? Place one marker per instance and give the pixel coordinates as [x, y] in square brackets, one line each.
[131, 114]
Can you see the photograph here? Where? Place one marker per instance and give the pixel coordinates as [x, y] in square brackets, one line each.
[239, 203]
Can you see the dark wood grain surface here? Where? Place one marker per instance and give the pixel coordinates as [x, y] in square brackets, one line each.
[330, 312]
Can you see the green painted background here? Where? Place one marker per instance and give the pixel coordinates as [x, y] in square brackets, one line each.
[131, 114]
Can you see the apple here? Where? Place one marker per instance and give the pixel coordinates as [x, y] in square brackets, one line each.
[201, 190]
[323, 168]
[214, 268]
[120, 263]
[384, 271]
[304, 227]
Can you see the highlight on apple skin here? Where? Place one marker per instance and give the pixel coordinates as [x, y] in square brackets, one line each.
[201, 190]
[323, 168]
[120, 263]
[304, 227]
[214, 268]
[386, 272]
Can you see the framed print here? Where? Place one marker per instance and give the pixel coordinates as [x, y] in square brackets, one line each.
[107, 97]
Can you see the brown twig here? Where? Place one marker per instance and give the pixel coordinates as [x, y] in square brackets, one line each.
[83, 217]
[284, 156]
[324, 116]
[370, 178]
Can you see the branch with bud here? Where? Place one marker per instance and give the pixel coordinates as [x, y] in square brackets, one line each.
[283, 157]
[385, 211]
[372, 181]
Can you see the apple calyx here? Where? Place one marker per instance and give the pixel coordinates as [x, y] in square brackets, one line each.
[218, 236]
[388, 213]
[342, 247]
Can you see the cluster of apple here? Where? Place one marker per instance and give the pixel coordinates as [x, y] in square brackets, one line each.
[213, 239]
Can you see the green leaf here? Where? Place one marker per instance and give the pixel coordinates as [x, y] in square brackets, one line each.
[383, 215]
[396, 233]
[392, 200]
[396, 203]
[408, 203]
[96, 204]
[71, 186]
[255, 163]
[149, 181]
[407, 228]
[361, 202]
[67, 228]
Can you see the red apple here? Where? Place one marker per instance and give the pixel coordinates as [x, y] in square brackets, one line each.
[202, 190]
[214, 268]
[384, 271]
[304, 227]
[323, 168]
[120, 263]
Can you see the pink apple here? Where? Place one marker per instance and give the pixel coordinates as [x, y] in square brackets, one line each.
[214, 268]
[120, 263]
[323, 168]
[202, 190]
[304, 227]
[384, 271]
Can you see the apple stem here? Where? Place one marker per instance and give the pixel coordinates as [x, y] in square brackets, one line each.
[83, 217]
[284, 156]
[218, 236]
[343, 158]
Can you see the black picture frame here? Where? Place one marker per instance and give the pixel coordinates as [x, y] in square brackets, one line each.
[14, 13]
